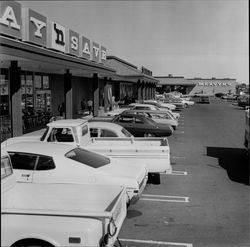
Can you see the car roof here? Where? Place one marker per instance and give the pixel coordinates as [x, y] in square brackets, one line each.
[139, 104]
[37, 147]
[149, 111]
[100, 124]
[67, 122]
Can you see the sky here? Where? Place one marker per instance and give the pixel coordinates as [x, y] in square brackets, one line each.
[190, 38]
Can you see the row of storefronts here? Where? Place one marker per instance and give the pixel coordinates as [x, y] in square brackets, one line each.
[48, 70]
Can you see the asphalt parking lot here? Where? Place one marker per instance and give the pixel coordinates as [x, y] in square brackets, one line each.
[206, 201]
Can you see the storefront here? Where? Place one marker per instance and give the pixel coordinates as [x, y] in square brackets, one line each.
[44, 65]
[191, 86]
[131, 84]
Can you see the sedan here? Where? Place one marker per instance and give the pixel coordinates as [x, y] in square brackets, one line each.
[139, 125]
[157, 116]
[106, 129]
[39, 162]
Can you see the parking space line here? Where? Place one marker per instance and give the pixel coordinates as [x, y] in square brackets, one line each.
[182, 173]
[178, 157]
[162, 198]
[156, 242]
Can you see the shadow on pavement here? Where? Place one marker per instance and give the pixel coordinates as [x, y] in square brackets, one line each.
[234, 160]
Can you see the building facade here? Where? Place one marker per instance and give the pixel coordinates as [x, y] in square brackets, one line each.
[209, 86]
[48, 69]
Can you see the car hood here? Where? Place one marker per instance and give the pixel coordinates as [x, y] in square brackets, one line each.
[120, 167]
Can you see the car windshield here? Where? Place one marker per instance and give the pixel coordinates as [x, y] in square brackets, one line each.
[88, 158]
[126, 133]
[44, 134]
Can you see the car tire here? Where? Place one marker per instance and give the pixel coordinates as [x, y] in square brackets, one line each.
[154, 178]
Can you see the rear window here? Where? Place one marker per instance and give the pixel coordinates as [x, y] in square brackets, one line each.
[126, 133]
[88, 158]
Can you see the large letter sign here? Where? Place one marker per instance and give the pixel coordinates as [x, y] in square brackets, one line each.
[34, 27]
[10, 19]
[57, 38]
[95, 52]
[85, 48]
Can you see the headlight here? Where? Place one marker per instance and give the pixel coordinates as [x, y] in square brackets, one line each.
[112, 228]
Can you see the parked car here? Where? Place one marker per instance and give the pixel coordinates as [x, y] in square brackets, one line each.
[243, 100]
[160, 104]
[39, 162]
[153, 152]
[175, 101]
[59, 214]
[139, 125]
[158, 116]
[204, 99]
[106, 129]
[137, 106]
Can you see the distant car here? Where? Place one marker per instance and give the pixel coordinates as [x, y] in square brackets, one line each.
[137, 106]
[175, 101]
[243, 100]
[158, 116]
[106, 129]
[141, 126]
[160, 105]
[229, 97]
[38, 162]
[204, 100]
[187, 102]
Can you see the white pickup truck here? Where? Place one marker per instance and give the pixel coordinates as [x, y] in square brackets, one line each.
[154, 152]
[58, 214]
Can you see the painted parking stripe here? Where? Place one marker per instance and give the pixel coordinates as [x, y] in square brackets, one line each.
[181, 173]
[156, 242]
[178, 157]
[162, 198]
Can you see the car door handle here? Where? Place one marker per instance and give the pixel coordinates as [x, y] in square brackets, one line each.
[25, 175]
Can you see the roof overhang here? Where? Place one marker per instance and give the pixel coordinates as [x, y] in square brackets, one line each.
[39, 59]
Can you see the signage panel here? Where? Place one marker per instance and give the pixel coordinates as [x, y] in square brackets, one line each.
[10, 19]
[103, 54]
[95, 52]
[85, 53]
[215, 84]
[30, 26]
[56, 38]
[73, 44]
[34, 27]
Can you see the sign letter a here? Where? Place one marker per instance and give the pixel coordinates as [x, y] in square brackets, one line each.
[86, 48]
[9, 18]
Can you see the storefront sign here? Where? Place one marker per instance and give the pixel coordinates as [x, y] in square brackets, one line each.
[85, 48]
[35, 28]
[146, 71]
[215, 84]
[73, 47]
[95, 52]
[30, 26]
[103, 54]
[10, 19]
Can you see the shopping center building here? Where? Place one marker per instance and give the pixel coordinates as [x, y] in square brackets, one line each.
[209, 86]
[45, 64]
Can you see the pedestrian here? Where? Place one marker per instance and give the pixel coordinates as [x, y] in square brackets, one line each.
[83, 104]
[90, 105]
[61, 109]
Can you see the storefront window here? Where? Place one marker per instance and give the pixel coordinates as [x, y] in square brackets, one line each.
[36, 100]
[38, 81]
[5, 123]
